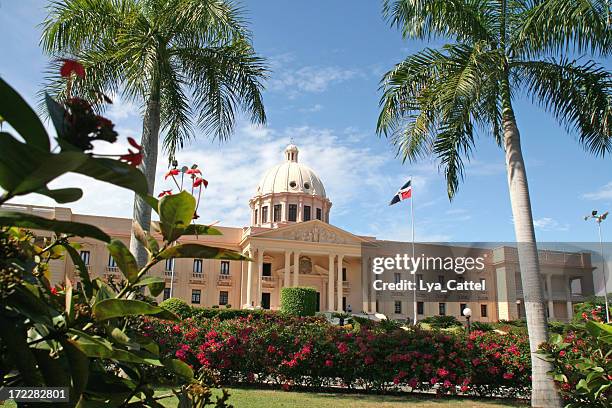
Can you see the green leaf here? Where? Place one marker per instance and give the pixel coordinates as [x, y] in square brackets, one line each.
[82, 270]
[175, 213]
[179, 368]
[110, 308]
[17, 351]
[25, 169]
[115, 172]
[79, 367]
[556, 339]
[62, 195]
[201, 251]
[51, 368]
[25, 220]
[124, 355]
[155, 285]
[58, 116]
[90, 345]
[197, 229]
[152, 201]
[16, 111]
[124, 258]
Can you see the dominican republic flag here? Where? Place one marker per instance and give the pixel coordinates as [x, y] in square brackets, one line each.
[404, 193]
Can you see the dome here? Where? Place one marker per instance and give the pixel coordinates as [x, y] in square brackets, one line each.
[291, 177]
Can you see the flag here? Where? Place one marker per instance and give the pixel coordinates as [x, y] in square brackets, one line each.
[404, 193]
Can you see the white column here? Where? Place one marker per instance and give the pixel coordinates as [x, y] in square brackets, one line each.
[296, 268]
[249, 288]
[568, 297]
[340, 291]
[260, 254]
[330, 284]
[551, 304]
[287, 268]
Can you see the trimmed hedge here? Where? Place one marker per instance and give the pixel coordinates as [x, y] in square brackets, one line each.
[177, 306]
[226, 314]
[441, 322]
[299, 301]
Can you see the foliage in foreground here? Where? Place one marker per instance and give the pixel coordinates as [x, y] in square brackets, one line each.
[582, 360]
[78, 335]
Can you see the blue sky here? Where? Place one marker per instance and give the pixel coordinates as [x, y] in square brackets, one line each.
[327, 59]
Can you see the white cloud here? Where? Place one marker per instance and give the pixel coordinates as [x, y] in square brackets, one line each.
[549, 224]
[311, 109]
[121, 109]
[604, 193]
[308, 79]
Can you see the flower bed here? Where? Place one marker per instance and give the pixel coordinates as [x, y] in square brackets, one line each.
[310, 352]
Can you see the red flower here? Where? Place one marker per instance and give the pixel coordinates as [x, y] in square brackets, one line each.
[193, 171]
[442, 372]
[164, 193]
[508, 376]
[342, 348]
[198, 181]
[54, 291]
[566, 386]
[329, 363]
[72, 66]
[562, 353]
[464, 388]
[433, 380]
[176, 329]
[172, 172]
[368, 360]
[271, 349]
[132, 158]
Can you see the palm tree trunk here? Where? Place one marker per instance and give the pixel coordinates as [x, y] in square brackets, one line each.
[150, 139]
[544, 393]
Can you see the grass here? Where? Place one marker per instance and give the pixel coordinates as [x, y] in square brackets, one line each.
[256, 398]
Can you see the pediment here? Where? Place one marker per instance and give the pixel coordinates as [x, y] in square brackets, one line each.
[313, 231]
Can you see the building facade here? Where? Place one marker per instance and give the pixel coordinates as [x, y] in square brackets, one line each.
[292, 242]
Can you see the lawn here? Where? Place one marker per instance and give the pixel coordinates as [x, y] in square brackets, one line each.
[255, 398]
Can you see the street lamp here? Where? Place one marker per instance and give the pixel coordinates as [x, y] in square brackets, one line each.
[467, 312]
[599, 219]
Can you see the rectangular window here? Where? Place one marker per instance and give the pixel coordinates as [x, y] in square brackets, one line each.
[344, 274]
[85, 256]
[420, 308]
[169, 265]
[319, 213]
[256, 220]
[224, 268]
[197, 266]
[306, 213]
[462, 307]
[292, 212]
[344, 303]
[397, 277]
[195, 296]
[442, 309]
[166, 293]
[398, 307]
[483, 310]
[441, 279]
[267, 269]
[264, 214]
[223, 297]
[278, 212]
[111, 261]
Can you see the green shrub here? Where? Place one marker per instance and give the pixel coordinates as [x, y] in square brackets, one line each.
[228, 306]
[215, 306]
[482, 326]
[441, 322]
[177, 306]
[299, 301]
[227, 314]
[557, 327]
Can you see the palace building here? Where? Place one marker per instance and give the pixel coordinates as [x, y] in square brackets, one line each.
[292, 242]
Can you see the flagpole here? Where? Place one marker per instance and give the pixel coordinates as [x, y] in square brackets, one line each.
[414, 302]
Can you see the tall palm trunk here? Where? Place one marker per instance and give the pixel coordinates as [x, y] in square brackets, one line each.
[544, 393]
[150, 139]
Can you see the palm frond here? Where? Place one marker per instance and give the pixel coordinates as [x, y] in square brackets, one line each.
[223, 80]
[578, 94]
[550, 27]
[463, 20]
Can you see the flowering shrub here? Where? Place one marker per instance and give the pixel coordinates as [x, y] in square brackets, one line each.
[582, 364]
[308, 351]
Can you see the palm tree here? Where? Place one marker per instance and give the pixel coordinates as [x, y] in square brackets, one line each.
[436, 100]
[186, 62]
